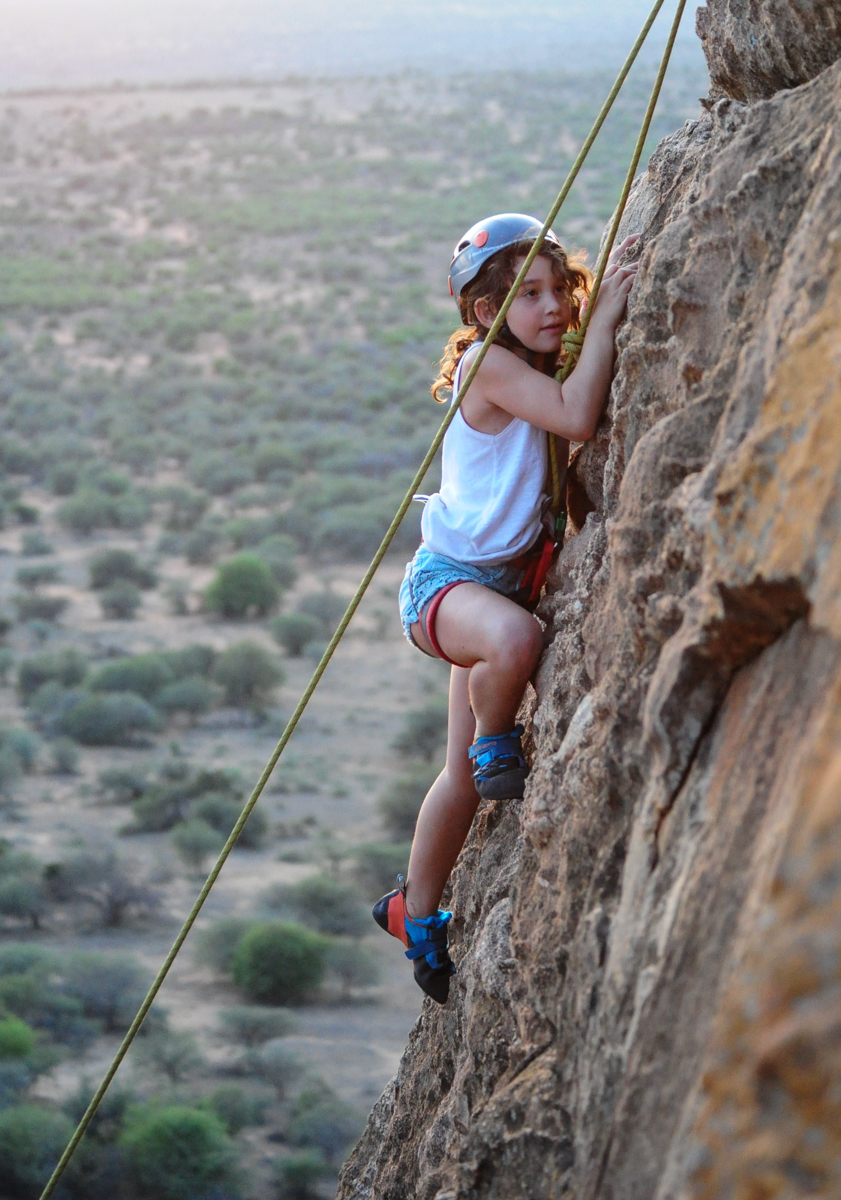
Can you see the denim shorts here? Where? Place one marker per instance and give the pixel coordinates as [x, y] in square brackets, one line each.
[428, 573]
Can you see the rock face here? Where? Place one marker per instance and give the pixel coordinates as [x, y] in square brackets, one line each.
[648, 1003]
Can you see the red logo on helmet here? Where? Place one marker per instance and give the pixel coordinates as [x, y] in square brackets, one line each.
[450, 283]
[480, 238]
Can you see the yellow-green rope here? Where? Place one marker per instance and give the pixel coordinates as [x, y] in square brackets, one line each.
[574, 340]
[366, 580]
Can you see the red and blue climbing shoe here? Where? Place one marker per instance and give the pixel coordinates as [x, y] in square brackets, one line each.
[499, 770]
[426, 941]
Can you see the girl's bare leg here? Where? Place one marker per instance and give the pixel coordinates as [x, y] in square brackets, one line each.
[499, 644]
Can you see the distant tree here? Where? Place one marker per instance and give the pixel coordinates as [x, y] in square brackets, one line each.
[24, 897]
[184, 507]
[279, 963]
[7, 661]
[247, 673]
[353, 965]
[201, 547]
[298, 1175]
[67, 667]
[319, 1118]
[377, 865]
[326, 607]
[217, 944]
[324, 904]
[278, 1065]
[120, 601]
[196, 842]
[252, 1025]
[219, 473]
[294, 631]
[34, 544]
[63, 480]
[32, 1139]
[35, 577]
[221, 811]
[273, 458]
[110, 720]
[143, 674]
[237, 1108]
[35, 606]
[192, 696]
[110, 987]
[424, 731]
[242, 586]
[113, 886]
[180, 1153]
[111, 566]
[195, 659]
[400, 803]
[122, 785]
[278, 553]
[173, 1053]
[17, 1039]
[87, 510]
[65, 756]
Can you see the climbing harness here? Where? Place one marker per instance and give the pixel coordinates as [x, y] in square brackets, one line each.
[570, 341]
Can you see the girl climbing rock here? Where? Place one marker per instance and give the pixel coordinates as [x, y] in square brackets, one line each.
[489, 536]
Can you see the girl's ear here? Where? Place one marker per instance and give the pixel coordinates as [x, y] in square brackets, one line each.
[485, 313]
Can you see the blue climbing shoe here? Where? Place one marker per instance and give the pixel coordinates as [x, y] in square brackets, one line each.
[426, 941]
[500, 771]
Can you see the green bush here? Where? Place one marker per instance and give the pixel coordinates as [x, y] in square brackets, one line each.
[298, 1175]
[27, 514]
[424, 731]
[109, 987]
[32, 1140]
[221, 812]
[193, 696]
[377, 864]
[180, 1153]
[17, 1039]
[237, 1108]
[279, 963]
[326, 607]
[34, 544]
[35, 577]
[196, 842]
[120, 601]
[143, 674]
[123, 785]
[272, 459]
[217, 945]
[278, 1065]
[173, 1053]
[202, 546]
[11, 770]
[65, 756]
[352, 965]
[25, 745]
[195, 659]
[252, 1025]
[319, 1118]
[107, 882]
[294, 631]
[63, 480]
[219, 473]
[184, 507]
[111, 566]
[22, 897]
[7, 661]
[248, 673]
[67, 667]
[243, 585]
[278, 553]
[86, 511]
[401, 801]
[110, 720]
[323, 904]
[34, 606]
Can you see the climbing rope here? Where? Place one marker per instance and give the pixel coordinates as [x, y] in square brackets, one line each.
[573, 342]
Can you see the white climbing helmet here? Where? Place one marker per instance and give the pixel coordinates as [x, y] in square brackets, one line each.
[484, 239]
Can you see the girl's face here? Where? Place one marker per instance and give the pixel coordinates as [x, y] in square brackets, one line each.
[540, 314]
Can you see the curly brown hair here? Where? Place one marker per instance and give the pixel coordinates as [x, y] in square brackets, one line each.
[493, 284]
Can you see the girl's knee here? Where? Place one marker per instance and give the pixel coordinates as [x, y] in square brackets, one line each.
[521, 643]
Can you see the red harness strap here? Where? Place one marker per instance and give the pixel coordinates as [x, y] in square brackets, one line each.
[428, 620]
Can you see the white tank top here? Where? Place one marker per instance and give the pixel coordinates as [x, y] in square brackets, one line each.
[492, 492]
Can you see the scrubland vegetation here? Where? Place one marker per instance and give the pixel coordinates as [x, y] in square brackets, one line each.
[219, 316]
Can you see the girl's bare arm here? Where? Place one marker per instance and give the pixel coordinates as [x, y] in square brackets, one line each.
[571, 411]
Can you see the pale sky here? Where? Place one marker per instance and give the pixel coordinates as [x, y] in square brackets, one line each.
[79, 42]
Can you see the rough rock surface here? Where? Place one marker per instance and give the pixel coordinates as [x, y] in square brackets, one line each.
[648, 1003]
